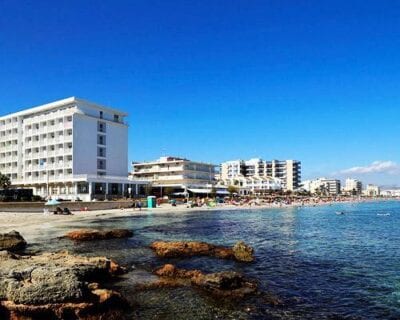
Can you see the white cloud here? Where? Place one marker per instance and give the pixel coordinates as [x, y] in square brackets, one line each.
[386, 167]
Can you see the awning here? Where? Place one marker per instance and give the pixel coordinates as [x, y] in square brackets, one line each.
[200, 190]
[222, 192]
[180, 194]
[205, 191]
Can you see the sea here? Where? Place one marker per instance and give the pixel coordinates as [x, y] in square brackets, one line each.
[339, 261]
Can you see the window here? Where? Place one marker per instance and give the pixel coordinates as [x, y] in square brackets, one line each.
[101, 114]
[101, 152]
[101, 140]
[101, 164]
[101, 126]
[116, 118]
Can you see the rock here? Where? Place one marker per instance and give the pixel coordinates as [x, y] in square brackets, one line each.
[224, 284]
[12, 241]
[93, 234]
[169, 270]
[226, 280]
[182, 248]
[243, 252]
[240, 252]
[57, 286]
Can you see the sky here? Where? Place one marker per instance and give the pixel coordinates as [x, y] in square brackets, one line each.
[213, 80]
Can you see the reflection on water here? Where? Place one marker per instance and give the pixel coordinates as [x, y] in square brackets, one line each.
[323, 265]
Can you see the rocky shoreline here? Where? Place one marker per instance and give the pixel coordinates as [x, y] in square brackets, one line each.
[60, 285]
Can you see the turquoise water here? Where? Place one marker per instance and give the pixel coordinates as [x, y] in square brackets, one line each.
[320, 264]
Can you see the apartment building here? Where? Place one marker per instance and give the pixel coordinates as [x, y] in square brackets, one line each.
[67, 149]
[372, 191]
[353, 186]
[178, 173]
[322, 186]
[288, 171]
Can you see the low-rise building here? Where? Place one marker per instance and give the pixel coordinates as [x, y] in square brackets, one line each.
[175, 175]
[390, 193]
[253, 185]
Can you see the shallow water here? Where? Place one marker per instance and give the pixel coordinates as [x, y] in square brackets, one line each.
[321, 264]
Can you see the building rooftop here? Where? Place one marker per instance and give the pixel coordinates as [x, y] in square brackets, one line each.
[60, 103]
[166, 159]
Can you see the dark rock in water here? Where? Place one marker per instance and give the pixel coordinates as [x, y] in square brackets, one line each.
[193, 248]
[93, 234]
[243, 252]
[57, 286]
[12, 241]
[224, 284]
[226, 280]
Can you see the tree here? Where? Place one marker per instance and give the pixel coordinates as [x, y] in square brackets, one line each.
[4, 181]
[213, 192]
[232, 189]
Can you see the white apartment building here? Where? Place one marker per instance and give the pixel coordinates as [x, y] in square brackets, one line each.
[372, 191]
[181, 174]
[322, 186]
[288, 171]
[67, 149]
[353, 186]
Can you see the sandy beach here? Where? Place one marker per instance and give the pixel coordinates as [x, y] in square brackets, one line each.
[31, 224]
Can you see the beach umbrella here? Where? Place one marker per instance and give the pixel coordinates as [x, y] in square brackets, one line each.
[52, 202]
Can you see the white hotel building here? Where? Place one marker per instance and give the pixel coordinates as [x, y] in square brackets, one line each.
[287, 171]
[67, 149]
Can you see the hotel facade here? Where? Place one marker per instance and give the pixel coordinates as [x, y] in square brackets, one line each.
[287, 171]
[70, 149]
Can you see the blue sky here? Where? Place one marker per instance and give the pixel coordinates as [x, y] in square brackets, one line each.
[216, 80]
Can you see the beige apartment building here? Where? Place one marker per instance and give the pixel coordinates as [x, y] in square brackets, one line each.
[180, 174]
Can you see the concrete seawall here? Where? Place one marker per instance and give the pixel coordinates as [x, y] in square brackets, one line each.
[73, 206]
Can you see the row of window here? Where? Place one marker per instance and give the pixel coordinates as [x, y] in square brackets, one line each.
[51, 173]
[51, 148]
[48, 123]
[8, 121]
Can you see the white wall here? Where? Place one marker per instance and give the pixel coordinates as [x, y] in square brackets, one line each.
[84, 145]
[117, 149]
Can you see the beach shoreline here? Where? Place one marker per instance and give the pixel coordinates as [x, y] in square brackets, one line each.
[30, 223]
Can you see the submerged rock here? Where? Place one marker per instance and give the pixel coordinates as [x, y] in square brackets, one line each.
[169, 270]
[240, 251]
[57, 286]
[224, 284]
[93, 234]
[243, 252]
[12, 241]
